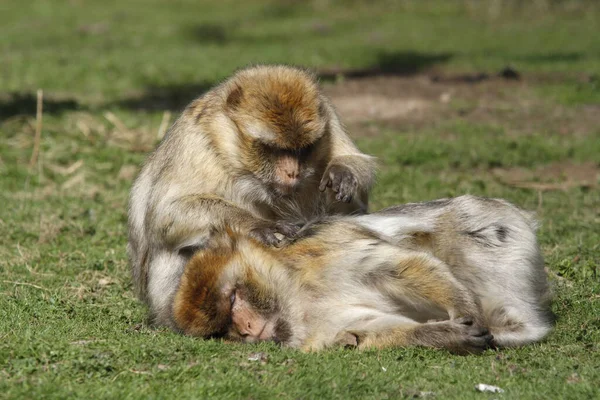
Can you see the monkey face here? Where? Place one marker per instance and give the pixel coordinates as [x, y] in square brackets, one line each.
[281, 119]
[222, 293]
[285, 171]
[255, 317]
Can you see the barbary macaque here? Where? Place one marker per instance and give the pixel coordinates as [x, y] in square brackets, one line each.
[460, 274]
[263, 147]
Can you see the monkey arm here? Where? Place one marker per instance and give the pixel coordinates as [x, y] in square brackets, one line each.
[189, 221]
[414, 279]
[350, 173]
[421, 277]
[459, 336]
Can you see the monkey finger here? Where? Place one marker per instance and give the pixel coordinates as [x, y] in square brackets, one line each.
[347, 188]
[475, 338]
[265, 235]
[478, 331]
[336, 181]
[471, 320]
[325, 182]
[477, 344]
[287, 229]
[343, 198]
[484, 335]
[493, 344]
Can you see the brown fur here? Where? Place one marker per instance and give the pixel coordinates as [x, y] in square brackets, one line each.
[436, 274]
[262, 148]
[298, 286]
[287, 100]
[458, 336]
[199, 308]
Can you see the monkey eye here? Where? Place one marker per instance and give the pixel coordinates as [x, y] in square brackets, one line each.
[232, 297]
[305, 151]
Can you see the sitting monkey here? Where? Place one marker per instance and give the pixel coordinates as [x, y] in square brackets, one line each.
[262, 147]
[448, 274]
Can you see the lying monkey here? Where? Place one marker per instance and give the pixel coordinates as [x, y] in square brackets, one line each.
[448, 274]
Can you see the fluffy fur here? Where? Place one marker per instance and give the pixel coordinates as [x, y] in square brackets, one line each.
[217, 167]
[469, 263]
[490, 246]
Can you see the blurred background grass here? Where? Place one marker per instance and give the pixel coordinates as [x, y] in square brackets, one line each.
[93, 48]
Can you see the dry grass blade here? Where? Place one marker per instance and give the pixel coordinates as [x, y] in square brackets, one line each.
[25, 284]
[113, 119]
[65, 170]
[84, 128]
[75, 180]
[38, 129]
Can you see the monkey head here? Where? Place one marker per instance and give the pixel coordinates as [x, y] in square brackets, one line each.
[281, 122]
[222, 294]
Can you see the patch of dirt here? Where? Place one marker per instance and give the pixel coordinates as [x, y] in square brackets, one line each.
[555, 176]
[422, 101]
[374, 107]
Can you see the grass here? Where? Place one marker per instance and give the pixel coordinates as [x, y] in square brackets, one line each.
[69, 323]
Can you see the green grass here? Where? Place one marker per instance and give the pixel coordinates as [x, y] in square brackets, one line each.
[70, 325]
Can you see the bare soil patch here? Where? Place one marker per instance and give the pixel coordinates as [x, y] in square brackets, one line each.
[556, 176]
[428, 100]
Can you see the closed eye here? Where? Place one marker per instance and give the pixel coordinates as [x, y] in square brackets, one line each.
[305, 151]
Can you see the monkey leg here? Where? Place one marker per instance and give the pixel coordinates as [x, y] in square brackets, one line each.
[424, 279]
[460, 336]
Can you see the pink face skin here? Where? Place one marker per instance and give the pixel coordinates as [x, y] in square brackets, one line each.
[247, 323]
[287, 172]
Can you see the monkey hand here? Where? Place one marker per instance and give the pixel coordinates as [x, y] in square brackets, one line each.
[465, 336]
[341, 180]
[274, 233]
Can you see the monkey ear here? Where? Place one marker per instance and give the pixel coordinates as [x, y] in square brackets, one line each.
[235, 97]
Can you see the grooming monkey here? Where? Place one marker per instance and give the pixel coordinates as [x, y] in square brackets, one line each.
[470, 264]
[263, 146]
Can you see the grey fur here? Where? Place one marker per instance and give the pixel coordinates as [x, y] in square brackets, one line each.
[491, 246]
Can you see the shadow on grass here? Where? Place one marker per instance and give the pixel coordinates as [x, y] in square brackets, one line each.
[168, 97]
[227, 32]
[176, 96]
[13, 104]
[552, 58]
[209, 33]
[223, 34]
[390, 64]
